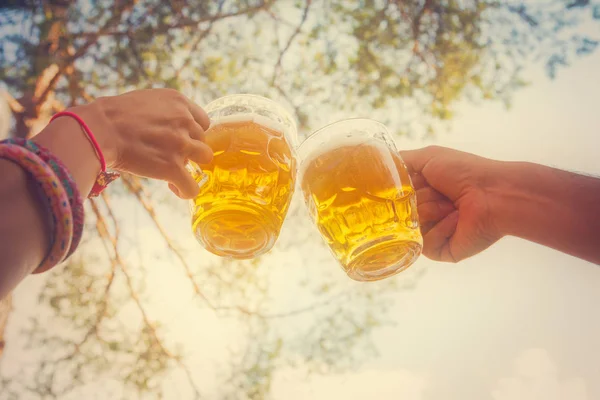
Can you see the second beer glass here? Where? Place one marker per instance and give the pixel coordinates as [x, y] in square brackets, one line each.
[359, 194]
[249, 184]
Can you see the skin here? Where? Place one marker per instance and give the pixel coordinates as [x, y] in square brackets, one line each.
[150, 133]
[467, 203]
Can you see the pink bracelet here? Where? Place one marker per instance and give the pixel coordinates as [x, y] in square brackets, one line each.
[88, 133]
[104, 178]
[56, 196]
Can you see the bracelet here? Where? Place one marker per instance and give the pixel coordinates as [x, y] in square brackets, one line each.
[104, 178]
[102, 181]
[88, 134]
[61, 171]
[54, 193]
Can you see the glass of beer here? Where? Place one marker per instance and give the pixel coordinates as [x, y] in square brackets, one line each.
[359, 194]
[248, 186]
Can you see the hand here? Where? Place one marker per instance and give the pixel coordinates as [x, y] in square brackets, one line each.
[151, 133]
[454, 203]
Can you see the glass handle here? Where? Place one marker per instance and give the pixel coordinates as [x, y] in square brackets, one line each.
[195, 170]
[390, 143]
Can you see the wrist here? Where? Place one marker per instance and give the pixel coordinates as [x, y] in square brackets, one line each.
[95, 116]
[515, 203]
[65, 138]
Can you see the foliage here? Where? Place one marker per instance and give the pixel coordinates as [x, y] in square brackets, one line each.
[407, 63]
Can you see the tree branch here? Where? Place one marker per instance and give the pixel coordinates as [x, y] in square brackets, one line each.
[277, 68]
[179, 25]
[198, 40]
[135, 187]
[117, 261]
[118, 14]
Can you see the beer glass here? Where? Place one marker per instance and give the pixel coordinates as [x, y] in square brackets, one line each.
[249, 184]
[359, 194]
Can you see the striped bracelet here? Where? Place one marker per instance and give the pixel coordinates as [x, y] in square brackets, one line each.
[56, 196]
[68, 183]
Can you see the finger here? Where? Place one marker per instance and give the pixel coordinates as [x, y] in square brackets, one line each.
[436, 243]
[199, 152]
[197, 132]
[174, 189]
[434, 211]
[199, 115]
[429, 194]
[427, 226]
[418, 181]
[416, 160]
[183, 184]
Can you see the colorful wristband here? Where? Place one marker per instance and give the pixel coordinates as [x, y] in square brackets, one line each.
[54, 193]
[68, 183]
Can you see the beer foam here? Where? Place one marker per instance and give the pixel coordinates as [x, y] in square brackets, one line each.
[328, 144]
[257, 119]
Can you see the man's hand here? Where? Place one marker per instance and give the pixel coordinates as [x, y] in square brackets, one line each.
[454, 204]
[466, 203]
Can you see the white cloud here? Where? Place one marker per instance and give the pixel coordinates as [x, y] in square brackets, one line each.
[536, 377]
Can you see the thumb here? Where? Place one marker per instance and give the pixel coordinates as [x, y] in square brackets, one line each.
[416, 160]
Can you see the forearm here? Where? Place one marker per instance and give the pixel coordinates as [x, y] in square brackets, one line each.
[548, 206]
[67, 141]
[25, 226]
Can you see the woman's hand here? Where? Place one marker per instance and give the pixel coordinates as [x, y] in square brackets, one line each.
[151, 133]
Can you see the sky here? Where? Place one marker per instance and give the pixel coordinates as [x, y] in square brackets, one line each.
[516, 322]
[519, 321]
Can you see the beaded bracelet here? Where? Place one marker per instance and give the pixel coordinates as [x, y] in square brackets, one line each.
[56, 196]
[68, 183]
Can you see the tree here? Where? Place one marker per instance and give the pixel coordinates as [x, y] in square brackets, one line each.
[406, 63]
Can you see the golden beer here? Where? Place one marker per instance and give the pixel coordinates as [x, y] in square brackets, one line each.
[249, 184]
[360, 196]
